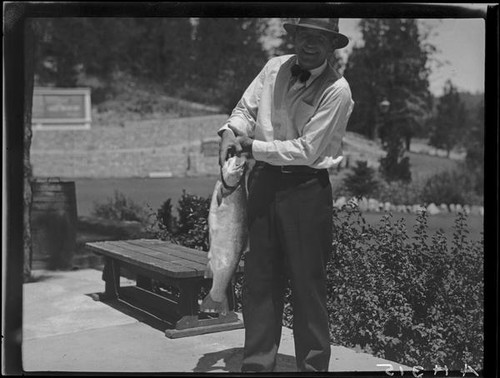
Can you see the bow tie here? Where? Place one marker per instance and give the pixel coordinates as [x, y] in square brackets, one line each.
[301, 73]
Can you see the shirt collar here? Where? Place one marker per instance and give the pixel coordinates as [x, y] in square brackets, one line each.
[315, 72]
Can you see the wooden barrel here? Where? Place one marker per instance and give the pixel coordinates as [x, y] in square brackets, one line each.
[53, 224]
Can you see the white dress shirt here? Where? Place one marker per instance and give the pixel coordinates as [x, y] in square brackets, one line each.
[301, 124]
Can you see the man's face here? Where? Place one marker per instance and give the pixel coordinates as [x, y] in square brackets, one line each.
[312, 47]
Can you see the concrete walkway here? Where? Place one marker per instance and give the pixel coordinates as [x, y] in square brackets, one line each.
[65, 329]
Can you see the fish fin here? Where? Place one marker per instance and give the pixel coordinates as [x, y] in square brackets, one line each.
[210, 306]
[248, 171]
[219, 196]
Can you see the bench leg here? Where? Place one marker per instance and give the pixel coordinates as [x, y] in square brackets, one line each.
[111, 277]
[188, 304]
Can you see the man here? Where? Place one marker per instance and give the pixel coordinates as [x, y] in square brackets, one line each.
[291, 119]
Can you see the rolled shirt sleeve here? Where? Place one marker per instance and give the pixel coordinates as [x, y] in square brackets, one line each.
[321, 141]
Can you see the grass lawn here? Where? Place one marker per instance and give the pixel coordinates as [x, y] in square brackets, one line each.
[144, 191]
[422, 165]
[153, 192]
[444, 222]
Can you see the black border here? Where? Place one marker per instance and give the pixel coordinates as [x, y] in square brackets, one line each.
[13, 166]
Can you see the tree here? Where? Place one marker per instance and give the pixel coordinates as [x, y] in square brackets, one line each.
[224, 77]
[159, 49]
[474, 146]
[395, 166]
[286, 45]
[154, 49]
[448, 126]
[58, 49]
[391, 64]
[361, 182]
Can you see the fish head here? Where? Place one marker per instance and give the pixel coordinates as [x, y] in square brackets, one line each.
[233, 170]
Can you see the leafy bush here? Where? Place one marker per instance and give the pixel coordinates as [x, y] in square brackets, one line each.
[190, 228]
[457, 186]
[460, 186]
[395, 170]
[361, 182]
[416, 301]
[399, 193]
[120, 208]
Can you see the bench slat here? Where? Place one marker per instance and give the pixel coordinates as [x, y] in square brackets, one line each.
[173, 258]
[171, 249]
[123, 254]
[168, 247]
[158, 265]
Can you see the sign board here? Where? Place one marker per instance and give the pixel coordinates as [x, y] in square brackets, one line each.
[61, 108]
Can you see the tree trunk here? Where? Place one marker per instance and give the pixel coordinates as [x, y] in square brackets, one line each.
[29, 68]
[407, 142]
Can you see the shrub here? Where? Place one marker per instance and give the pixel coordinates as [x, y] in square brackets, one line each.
[120, 208]
[164, 216]
[416, 300]
[394, 166]
[361, 182]
[190, 228]
[394, 170]
[448, 187]
[399, 193]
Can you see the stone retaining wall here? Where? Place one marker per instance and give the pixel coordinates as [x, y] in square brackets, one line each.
[139, 149]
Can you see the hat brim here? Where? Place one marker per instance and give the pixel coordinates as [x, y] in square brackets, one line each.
[341, 39]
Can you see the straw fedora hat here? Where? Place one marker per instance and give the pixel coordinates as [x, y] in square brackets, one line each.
[330, 25]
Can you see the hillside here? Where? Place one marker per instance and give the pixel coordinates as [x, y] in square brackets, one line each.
[424, 159]
[140, 131]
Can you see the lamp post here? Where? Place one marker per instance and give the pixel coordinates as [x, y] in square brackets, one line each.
[383, 107]
[395, 166]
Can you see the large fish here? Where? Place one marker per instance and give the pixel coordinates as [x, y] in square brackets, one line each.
[228, 232]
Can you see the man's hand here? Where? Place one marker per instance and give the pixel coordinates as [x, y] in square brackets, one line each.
[245, 143]
[229, 144]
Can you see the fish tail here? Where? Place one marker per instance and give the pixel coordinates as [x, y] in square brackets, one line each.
[209, 305]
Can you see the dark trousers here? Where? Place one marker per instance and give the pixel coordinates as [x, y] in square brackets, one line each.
[290, 238]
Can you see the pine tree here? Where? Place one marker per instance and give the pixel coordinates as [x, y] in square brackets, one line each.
[391, 64]
[361, 182]
[228, 56]
[448, 126]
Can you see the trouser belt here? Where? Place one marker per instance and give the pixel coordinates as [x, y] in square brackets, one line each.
[290, 169]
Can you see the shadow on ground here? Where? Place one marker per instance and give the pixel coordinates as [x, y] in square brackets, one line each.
[134, 312]
[229, 360]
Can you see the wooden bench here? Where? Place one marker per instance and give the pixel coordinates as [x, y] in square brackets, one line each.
[157, 265]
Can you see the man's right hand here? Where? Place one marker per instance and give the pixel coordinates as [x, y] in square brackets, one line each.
[229, 144]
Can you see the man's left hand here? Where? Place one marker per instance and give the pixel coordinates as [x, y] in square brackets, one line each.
[246, 143]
